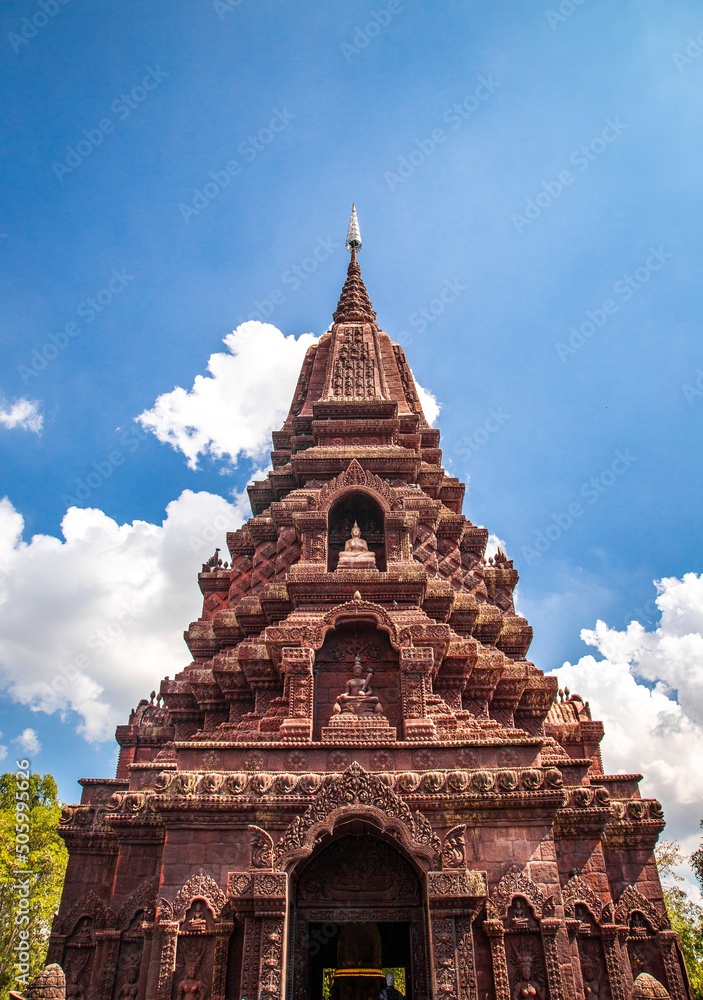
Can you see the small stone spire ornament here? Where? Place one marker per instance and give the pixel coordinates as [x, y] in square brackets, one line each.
[354, 305]
[353, 234]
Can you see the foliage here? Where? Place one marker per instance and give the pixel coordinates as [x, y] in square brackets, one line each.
[686, 916]
[697, 862]
[32, 866]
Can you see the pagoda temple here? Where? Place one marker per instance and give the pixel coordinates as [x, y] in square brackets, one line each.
[360, 783]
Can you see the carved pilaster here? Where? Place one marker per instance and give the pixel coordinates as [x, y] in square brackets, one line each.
[549, 930]
[444, 961]
[249, 982]
[312, 527]
[108, 949]
[146, 960]
[675, 982]
[223, 932]
[465, 957]
[415, 666]
[167, 964]
[399, 525]
[297, 665]
[271, 962]
[495, 933]
[614, 962]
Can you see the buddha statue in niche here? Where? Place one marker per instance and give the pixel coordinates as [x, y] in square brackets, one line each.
[357, 699]
[356, 553]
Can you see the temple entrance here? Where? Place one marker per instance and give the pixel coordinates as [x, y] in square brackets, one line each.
[358, 915]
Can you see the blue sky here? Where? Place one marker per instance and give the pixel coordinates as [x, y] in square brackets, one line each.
[542, 165]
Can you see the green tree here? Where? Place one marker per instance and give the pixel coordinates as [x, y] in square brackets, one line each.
[686, 916]
[32, 866]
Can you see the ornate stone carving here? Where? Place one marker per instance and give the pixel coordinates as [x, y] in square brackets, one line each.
[577, 890]
[261, 848]
[462, 884]
[453, 849]
[515, 883]
[632, 901]
[199, 886]
[142, 899]
[354, 789]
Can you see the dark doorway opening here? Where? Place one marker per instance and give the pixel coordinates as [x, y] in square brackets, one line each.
[323, 941]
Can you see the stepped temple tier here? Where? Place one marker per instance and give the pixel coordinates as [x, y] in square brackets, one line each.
[361, 783]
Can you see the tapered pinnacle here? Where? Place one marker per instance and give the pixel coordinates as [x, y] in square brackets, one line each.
[353, 234]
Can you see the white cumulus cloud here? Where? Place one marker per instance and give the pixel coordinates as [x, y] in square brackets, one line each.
[23, 413]
[647, 688]
[28, 741]
[428, 402]
[112, 601]
[232, 411]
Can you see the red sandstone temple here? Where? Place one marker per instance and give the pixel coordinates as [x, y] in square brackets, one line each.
[360, 774]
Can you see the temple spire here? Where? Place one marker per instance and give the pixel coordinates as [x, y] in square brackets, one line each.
[354, 305]
[353, 234]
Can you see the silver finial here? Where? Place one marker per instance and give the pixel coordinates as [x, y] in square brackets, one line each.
[353, 234]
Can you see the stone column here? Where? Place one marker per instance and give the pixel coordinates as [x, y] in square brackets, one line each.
[675, 982]
[167, 964]
[223, 932]
[249, 980]
[271, 961]
[495, 933]
[550, 928]
[312, 527]
[453, 898]
[106, 954]
[614, 963]
[399, 525]
[415, 666]
[297, 666]
[465, 957]
[145, 964]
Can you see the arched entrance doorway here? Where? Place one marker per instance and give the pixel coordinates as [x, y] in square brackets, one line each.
[357, 901]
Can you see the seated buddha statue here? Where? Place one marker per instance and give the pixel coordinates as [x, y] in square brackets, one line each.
[356, 553]
[358, 698]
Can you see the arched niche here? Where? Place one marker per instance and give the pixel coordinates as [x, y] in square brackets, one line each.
[334, 666]
[359, 506]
